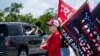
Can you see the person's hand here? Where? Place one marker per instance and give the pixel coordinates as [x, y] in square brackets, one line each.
[41, 46]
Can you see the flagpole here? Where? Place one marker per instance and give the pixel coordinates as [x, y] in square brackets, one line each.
[74, 13]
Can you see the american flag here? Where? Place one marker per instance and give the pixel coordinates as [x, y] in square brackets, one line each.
[89, 30]
[82, 30]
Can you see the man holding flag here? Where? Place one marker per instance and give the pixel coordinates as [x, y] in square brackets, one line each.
[79, 30]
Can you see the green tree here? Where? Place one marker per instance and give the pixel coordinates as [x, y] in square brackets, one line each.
[43, 19]
[28, 18]
[1, 16]
[12, 12]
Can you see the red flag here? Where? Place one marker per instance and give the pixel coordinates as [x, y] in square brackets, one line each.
[64, 11]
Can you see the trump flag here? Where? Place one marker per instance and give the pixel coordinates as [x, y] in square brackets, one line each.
[64, 11]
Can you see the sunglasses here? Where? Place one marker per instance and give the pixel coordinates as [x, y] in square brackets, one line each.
[49, 25]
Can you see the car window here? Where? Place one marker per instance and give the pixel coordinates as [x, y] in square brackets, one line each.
[37, 30]
[13, 30]
[31, 30]
[3, 30]
[28, 30]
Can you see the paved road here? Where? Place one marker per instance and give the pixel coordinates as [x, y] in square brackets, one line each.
[37, 55]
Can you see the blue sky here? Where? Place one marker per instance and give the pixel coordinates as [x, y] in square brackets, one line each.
[37, 7]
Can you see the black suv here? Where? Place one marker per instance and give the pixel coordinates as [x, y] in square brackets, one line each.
[15, 42]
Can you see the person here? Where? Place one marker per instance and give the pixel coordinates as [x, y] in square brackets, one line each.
[33, 31]
[30, 32]
[53, 44]
[64, 47]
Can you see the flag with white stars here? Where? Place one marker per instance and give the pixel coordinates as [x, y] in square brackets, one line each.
[89, 29]
[81, 28]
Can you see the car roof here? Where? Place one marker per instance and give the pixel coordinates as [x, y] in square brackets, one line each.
[15, 23]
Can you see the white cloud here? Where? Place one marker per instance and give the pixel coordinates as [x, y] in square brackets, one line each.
[75, 4]
[93, 3]
[36, 7]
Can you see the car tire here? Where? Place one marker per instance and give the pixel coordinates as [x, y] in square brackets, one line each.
[22, 52]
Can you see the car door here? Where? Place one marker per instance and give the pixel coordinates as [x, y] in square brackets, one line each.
[34, 40]
[34, 43]
[3, 33]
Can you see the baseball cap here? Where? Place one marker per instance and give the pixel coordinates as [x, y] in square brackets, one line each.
[54, 22]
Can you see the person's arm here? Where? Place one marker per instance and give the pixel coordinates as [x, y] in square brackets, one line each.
[29, 32]
[36, 31]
